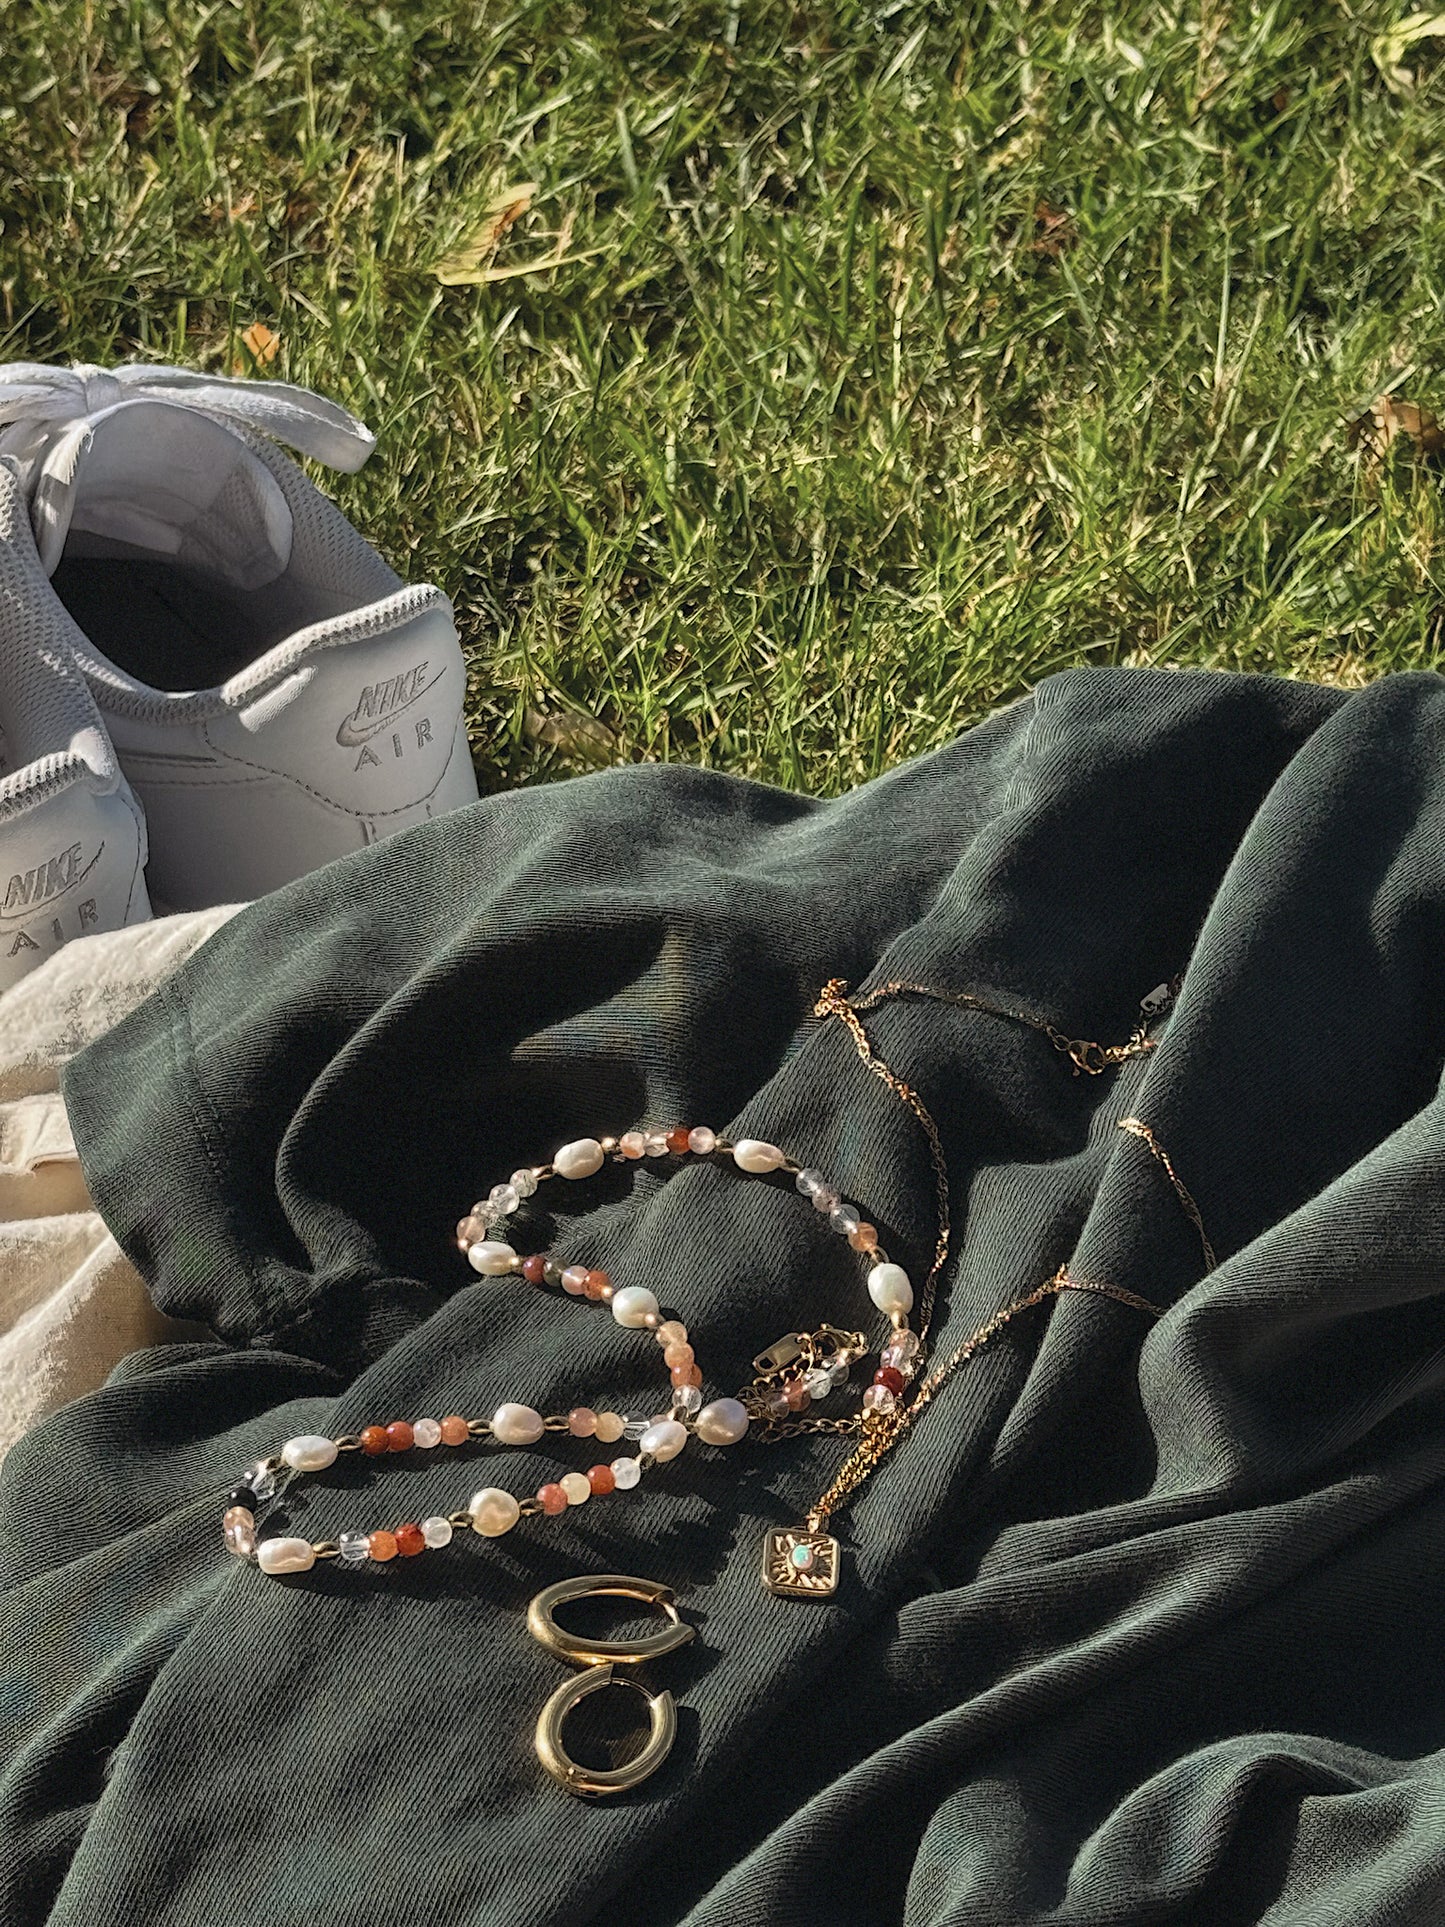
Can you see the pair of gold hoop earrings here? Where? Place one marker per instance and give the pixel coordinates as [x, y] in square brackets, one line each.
[599, 1659]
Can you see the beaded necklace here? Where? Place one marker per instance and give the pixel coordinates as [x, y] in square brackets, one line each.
[795, 1373]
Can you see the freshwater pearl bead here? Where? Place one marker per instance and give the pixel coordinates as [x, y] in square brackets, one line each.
[755, 1154]
[285, 1555]
[664, 1440]
[577, 1486]
[632, 1144]
[493, 1511]
[239, 1527]
[657, 1144]
[625, 1474]
[426, 1433]
[309, 1453]
[610, 1427]
[437, 1531]
[723, 1422]
[633, 1305]
[700, 1140]
[580, 1159]
[516, 1425]
[492, 1258]
[889, 1288]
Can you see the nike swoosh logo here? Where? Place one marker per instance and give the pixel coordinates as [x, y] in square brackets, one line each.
[350, 736]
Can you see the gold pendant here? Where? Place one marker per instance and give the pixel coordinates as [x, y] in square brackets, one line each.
[800, 1563]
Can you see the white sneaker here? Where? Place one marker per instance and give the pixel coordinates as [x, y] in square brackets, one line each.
[72, 837]
[276, 696]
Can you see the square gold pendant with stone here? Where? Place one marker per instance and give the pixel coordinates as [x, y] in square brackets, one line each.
[800, 1564]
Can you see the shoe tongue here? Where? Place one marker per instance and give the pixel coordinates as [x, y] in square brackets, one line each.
[167, 481]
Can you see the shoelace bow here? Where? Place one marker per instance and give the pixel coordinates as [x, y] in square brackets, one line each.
[36, 399]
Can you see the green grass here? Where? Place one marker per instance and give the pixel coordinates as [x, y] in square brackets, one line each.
[833, 435]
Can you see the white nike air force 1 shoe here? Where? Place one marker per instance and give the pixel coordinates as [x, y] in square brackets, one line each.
[276, 696]
[72, 836]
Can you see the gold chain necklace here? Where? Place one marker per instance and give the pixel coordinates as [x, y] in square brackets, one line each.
[803, 1562]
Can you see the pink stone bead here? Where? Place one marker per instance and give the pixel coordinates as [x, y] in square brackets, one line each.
[582, 1422]
[454, 1430]
[864, 1238]
[553, 1499]
[238, 1523]
[678, 1355]
[574, 1280]
[471, 1231]
[674, 1332]
[610, 1427]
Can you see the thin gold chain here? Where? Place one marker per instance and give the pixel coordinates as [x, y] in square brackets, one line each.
[1136, 1127]
[881, 1431]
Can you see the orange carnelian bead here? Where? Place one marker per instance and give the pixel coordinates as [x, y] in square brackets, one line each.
[382, 1545]
[409, 1541]
[600, 1478]
[373, 1439]
[454, 1430]
[553, 1498]
[679, 1354]
[863, 1238]
[398, 1436]
[677, 1140]
[694, 1376]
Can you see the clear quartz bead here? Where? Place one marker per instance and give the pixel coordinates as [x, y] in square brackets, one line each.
[354, 1547]
[486, 1211]
[810, 1182]
[839, 1369]
[524, 1183]
[701, 1140]
[635, 1426]
[844, 1220]
[687, 1398]
[901, 1352]
[819, 1382]
[878, 1398]
[261, 1479]
[626, 1472]
[504, 1199]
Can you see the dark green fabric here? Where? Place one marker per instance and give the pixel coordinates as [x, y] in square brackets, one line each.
[1142, 1625]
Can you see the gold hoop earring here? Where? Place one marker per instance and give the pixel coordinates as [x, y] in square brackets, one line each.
[600, 1781]
[600, 1652]
[599, 1659]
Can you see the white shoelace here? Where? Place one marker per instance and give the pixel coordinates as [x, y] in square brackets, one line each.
[36, 400]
